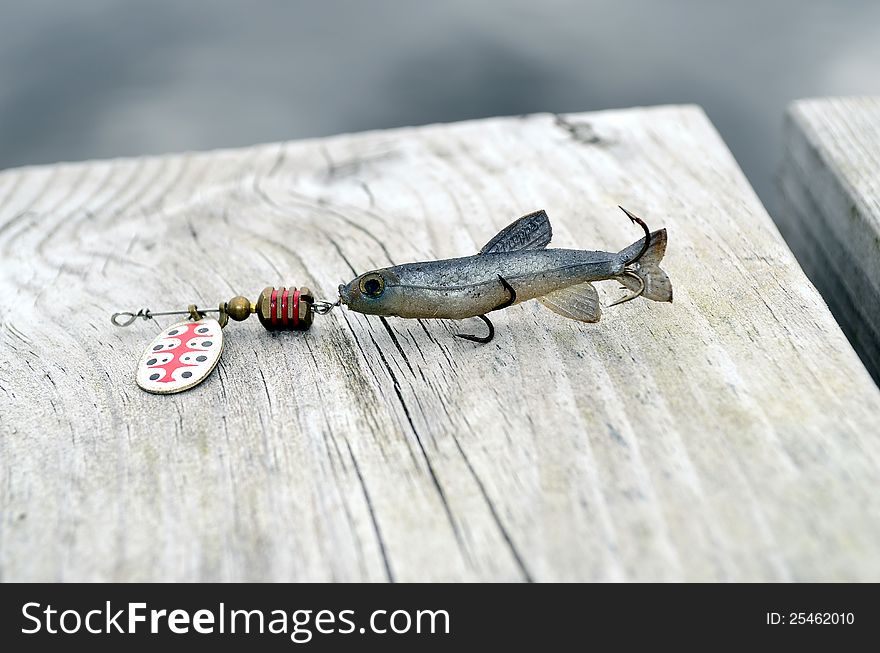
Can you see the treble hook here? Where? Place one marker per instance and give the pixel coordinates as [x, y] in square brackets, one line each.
[485, 340]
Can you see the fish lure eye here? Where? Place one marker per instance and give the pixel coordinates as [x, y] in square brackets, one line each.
[372, 285]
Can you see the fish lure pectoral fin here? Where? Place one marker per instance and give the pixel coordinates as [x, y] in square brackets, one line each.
[532, 231]
[580, 302]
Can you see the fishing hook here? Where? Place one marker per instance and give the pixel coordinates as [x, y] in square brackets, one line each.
[510, 291]
[637, 220]
[484, 340]
[629, 273]
[633, 295]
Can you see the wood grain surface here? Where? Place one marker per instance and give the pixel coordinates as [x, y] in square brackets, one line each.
[731, 435]
[830, 182]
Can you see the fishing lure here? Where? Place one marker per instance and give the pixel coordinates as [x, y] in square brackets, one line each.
[515, 266]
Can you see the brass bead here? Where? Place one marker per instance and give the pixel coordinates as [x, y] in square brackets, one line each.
[239, 308]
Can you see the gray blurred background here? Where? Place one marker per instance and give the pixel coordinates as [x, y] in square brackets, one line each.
[100, 78]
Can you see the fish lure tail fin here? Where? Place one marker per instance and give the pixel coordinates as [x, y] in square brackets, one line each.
[658, 287]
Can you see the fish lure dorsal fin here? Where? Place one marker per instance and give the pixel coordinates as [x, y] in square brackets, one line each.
[580, 302]
[532, 231]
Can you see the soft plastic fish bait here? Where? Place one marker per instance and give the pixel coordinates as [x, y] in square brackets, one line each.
[513, 267]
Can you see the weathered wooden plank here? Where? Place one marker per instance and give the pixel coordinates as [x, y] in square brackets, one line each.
[730, 435]
[830, 182]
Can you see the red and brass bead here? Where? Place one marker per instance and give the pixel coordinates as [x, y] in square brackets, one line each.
[285, 309]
